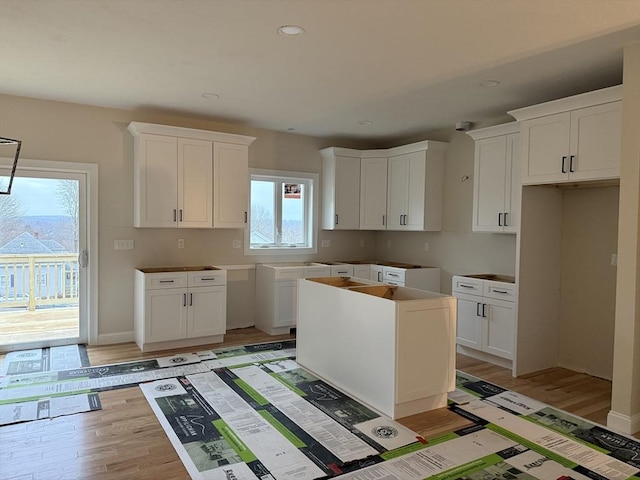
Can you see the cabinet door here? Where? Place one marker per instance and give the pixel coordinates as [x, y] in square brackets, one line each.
[286, 304]
[230, 185]
[207, 311]
[595, 142]
[489, 184]
[417, 174]
[347, 193]
[156, 181]
[362, 271]
[499, 328]
[470, 322]
[513, 193]
[545, 149]
[373, 193]
[376, 273]
[397, 185]
[195, 169]
[165, 319]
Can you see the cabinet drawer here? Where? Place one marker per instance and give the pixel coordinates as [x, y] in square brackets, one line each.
[393, 275]
[342, 270]
[201, 279]
[500, 290]
[157, 281]
[470, 286]
[288, 273]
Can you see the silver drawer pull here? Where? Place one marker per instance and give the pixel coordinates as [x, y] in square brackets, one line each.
[166, 281]
[393, 275]
[501, 291]
[466, 286]
[343, 272]
[208, 279]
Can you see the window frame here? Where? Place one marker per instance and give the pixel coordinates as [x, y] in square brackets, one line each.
[310, 208]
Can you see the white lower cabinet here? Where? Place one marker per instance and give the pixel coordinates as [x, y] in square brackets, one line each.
[486, 316]
[179, 309]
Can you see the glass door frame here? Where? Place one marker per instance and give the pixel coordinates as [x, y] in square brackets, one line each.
[87, 175]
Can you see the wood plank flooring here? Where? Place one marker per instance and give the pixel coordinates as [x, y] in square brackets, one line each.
[125, 441]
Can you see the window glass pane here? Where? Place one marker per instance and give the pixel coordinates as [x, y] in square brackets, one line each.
[293, 221]
[263, 219]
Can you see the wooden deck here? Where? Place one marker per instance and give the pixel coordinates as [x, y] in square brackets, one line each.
[19, 325]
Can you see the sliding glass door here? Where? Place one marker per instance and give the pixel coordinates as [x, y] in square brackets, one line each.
[44, 257]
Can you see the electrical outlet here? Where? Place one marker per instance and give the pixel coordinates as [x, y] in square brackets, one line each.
[426, 246]
[181, 243]
[614, 259]
[236, 244]
[326, 243]
[123, 244]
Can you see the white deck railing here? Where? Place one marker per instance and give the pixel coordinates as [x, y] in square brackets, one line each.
[38, 280]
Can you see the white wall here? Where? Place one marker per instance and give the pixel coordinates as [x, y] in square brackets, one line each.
[588, 280]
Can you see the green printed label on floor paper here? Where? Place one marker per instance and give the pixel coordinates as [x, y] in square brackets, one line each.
[260, 400]
[238, 445]
[288, 434]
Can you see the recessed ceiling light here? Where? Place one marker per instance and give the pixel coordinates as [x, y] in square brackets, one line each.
[365, 122]
[489, 83]
[210, 95]
[290, 30]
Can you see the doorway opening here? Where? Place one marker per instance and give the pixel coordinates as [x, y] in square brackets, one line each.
[46, 279]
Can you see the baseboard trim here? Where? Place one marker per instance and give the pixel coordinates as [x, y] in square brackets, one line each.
[623, 423]
[111, 338]
[485, 357]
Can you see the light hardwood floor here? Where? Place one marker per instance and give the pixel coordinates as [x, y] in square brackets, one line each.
[125, 441]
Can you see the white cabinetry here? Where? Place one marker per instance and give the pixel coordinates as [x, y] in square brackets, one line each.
[176, 170]
[414, 186]
[399, 331]
[373, 190]
[572, 139]
[496, 179]
[340, 189]
[178, 308]
[230, 185]
[486, 317]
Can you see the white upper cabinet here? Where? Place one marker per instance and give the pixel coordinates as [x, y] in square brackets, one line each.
[496, 180]
[414, 186]
[572, 139]
[340, 189]
[373, 191]
[175, 184]
[230, 185]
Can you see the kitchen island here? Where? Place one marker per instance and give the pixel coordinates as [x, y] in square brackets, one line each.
[392, 348]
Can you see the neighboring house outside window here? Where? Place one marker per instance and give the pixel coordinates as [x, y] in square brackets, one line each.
[283, 211]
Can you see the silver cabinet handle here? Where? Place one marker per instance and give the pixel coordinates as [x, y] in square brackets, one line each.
[395, 275]
[384, 219]
[181, 215]
[245, 217]
[564, 159]
[190, 299]
[208, 279]
[506, 224]
[336, 219]
[478, 310]
[484, 315]
[500, 219]
[571, 157]
[166, 281]
[465, 286]
[184, 299]
[175, 215]
[501, 291]
[379, 276]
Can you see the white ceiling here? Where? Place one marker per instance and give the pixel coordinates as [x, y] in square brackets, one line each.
[409, 66]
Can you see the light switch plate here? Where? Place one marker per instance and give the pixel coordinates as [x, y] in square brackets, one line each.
[123, 244]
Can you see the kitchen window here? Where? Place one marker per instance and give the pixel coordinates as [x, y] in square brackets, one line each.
[282, 213]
